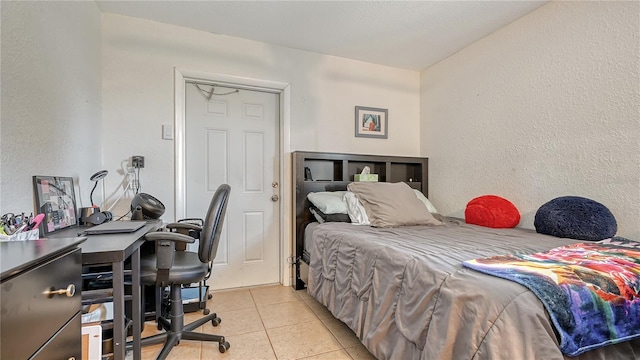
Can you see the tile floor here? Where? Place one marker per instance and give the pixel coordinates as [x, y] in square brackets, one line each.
[272, 322]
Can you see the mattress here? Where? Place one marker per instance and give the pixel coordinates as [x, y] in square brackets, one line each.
[308, 232]
[405, 294]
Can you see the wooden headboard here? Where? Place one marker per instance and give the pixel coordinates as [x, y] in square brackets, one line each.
[334, 171]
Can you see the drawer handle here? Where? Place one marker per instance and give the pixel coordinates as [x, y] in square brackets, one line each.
[69, 291]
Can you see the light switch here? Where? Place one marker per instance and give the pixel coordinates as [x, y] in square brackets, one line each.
[167, 132]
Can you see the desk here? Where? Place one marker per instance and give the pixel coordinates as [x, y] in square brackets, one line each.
[114, 249]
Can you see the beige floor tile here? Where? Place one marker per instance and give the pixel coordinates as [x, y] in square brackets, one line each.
[235, 322]
[150, 328]
[360, 352]
[148, 352]
[302, 340]
[341, 331]
[230, 300]
[254, 346]
[332, 355]
[193, 316]
[320, 310]
[290, 317]
[186, 350]
[282, 314]
[303, 294]
[273, 295]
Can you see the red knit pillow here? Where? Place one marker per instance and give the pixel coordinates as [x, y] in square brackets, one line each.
[492, 211]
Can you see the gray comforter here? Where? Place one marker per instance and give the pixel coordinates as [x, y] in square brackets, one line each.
[406, 295]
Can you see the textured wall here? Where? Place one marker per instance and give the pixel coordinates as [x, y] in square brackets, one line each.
[50, 97]
[547, 106]
[139, 57]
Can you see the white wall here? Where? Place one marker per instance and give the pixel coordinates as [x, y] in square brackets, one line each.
[51, 97]
[547, 106]
[139, 57]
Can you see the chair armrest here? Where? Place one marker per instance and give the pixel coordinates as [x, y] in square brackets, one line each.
[165, 249]
[187, 226]
[195, 221]
[170, 236]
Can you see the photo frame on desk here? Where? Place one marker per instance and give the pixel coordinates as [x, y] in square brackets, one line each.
[55, 198]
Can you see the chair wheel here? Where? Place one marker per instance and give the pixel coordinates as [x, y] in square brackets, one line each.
[216, 321]
[224, 346]
[206, 311]
[209, 296]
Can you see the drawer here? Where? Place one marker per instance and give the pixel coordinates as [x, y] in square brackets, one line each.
[29, 317]
[65, 345]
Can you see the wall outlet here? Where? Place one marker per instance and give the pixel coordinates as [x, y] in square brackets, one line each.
[137, 161]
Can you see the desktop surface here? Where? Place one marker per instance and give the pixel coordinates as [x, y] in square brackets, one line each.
[103, 248]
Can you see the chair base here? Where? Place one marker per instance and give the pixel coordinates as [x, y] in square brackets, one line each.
[176, 331]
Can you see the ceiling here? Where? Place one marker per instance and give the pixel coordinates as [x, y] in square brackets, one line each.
[404, 34]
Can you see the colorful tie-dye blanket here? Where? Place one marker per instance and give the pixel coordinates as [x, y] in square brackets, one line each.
[590, 290]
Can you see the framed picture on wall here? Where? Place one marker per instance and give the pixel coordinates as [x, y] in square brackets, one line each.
[371, 122]
[56, 199]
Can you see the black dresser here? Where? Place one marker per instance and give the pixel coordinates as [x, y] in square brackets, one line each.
[40, 299]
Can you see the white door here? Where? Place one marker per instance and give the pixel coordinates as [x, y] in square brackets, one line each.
[233, 139]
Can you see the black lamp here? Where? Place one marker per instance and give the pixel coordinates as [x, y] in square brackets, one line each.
[87, 212]
[96, 177]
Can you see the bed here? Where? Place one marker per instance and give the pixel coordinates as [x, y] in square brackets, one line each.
[404, 290]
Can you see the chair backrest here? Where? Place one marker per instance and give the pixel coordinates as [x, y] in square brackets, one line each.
[210, 236]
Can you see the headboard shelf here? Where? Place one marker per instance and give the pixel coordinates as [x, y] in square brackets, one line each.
[321, 171]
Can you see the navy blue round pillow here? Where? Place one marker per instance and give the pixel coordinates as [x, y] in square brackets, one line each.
[577, 218]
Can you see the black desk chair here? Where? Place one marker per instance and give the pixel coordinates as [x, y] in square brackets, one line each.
[192, 227]
[168, 267]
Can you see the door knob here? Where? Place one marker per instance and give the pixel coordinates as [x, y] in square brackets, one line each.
[275, 198]
[274, 184]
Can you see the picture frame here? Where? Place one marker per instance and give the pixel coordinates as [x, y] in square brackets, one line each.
[55, 198]
[372, 122]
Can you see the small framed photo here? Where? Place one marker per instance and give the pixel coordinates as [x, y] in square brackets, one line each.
[56, 199]
[371, 122]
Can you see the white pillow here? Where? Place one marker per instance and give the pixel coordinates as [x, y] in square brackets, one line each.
[329, 202]
[356, 211]
[425, 201]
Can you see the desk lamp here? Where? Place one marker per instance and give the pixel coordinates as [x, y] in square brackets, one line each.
[96, 177]
[92, 215]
